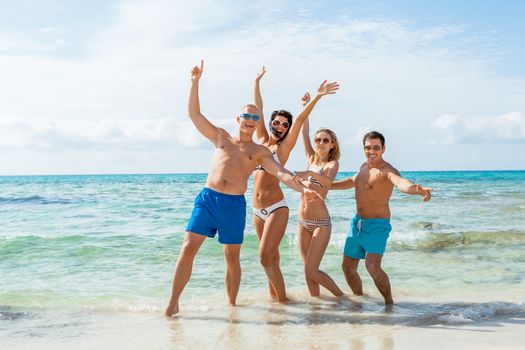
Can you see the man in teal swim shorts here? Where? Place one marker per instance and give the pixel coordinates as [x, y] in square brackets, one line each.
[220, 206]
[374, 183]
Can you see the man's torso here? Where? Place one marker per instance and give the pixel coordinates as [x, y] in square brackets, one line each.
[232, 164]
[373, 191]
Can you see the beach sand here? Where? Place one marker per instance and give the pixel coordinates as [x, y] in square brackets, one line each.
[256, 323]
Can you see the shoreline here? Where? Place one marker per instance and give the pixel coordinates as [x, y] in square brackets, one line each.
[476, 322]
[258, 323]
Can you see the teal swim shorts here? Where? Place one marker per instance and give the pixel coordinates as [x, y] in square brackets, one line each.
[367, 236]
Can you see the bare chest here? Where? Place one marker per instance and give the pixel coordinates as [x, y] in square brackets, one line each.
[369, 180]
[237, 154]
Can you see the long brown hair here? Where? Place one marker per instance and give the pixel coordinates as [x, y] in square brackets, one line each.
[334, 153]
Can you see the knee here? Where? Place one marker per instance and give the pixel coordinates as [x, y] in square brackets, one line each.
[265, 259]
[349, 269]
[309, 272]
[188, 250]
[373, 267]
[232, 258]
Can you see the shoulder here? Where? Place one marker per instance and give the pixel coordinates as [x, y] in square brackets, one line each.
[223, 133]
[333, 164]
[389, 168]
[262, 150]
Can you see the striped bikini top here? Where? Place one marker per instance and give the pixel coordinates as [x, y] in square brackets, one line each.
[312, 179]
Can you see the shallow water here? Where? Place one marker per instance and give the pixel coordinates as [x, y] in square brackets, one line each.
[78, 249]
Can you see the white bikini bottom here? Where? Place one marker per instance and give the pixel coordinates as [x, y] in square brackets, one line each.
[265, 213]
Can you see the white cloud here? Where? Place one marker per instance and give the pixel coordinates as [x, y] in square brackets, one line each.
[115, 134]
[508, 127]
[357, 138]
[128, 85]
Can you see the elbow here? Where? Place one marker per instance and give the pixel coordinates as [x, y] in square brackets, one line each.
[192, 113]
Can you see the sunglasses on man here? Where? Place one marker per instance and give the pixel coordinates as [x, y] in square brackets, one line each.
[249, 116]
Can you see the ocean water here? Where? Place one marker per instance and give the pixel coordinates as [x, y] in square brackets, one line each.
[79, 252]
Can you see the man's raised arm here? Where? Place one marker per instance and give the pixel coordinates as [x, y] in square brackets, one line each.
[204, 126]
[262, 133]
[408, 187]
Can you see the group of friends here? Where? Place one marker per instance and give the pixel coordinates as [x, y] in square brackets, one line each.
[221, 205]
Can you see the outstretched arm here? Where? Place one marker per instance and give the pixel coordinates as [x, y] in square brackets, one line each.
[343, 184]
[408, 187]
[276, 169]
[308, 105]
[262, 133]
[204, 126]
[326, 180]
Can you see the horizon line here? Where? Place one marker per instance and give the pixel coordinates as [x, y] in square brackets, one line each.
[204, 173]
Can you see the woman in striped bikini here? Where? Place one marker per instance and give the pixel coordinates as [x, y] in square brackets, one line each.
[269, 205]
[314, 223]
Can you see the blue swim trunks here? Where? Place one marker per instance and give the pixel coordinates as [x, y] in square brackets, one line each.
[214, 211]
[367, 236]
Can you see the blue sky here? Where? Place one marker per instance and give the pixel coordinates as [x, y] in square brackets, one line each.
[101, 86]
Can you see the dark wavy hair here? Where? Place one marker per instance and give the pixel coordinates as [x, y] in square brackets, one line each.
[374, 135]
[285, 114]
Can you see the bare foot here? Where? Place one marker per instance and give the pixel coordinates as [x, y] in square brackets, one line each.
[389, 308]
[389, 301]
[171, 310]
[276, 300]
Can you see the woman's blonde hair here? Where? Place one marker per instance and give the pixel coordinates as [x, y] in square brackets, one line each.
[334, 153]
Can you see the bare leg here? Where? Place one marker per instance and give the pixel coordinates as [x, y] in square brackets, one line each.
[373, 265]
[352, 277]
[259, 223]
[233, 270]
[318, 245]
[190, 246]
[272, 235]
[305, 237]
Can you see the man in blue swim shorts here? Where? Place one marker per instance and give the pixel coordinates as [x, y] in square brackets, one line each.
[374, 183]
[221, 207]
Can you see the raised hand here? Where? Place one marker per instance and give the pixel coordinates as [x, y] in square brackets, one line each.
[305, 99]
[327, 89]
[425, 192]
[196, 72]
[260, 74]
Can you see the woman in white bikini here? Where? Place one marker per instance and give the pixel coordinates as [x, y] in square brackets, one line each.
[269, 205]
[314, 223]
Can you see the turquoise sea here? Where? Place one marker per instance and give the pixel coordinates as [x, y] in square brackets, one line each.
[77, 252]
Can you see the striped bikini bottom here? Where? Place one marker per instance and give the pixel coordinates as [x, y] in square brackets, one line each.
[311, 225]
